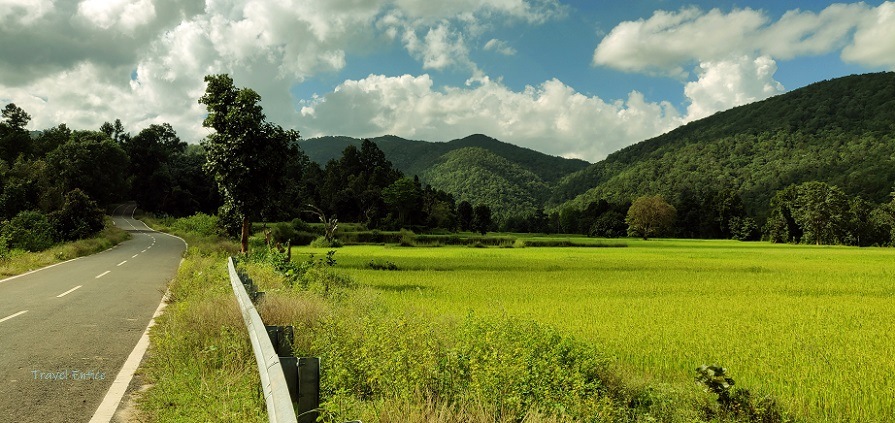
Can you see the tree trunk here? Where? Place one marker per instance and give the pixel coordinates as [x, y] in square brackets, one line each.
[245, 234]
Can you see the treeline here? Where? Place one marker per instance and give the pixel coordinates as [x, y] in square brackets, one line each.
[55, 183]
[811, 213]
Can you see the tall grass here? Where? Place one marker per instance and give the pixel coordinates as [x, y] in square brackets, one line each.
[808, 325]
[200, 366]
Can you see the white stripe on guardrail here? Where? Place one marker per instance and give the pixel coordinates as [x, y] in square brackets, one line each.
[273, 382]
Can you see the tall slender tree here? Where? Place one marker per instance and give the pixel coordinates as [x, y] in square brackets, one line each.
[245, 153]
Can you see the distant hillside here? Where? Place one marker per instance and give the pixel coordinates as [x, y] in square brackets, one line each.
[416, 157]
[841, 132]
[480, 176]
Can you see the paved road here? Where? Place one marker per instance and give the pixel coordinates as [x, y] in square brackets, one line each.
[66, 331]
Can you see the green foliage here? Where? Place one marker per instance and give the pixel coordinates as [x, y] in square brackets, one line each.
[649, 216]
[818, 213]
[299, 225]
[283, 232]
[744, 229]
[199, 224]
[382, 265]
[408, 238]
[480, 177]
[404, 196]
[92, 162]
[481, 220]
[510, 366]
[323, 242]
[78, 218]
[15, 141]
[30, 231]
[737, 402]
[839, 132]
[229, 221]
[245, 152]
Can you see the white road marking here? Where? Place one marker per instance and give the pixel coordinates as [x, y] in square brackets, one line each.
[68, 292]
[144, 251]
[107, 408]
[119, 264]
[135, 255]
[103, 274]
[13, 315]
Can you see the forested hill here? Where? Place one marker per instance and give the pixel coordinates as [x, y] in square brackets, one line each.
[841, 132]
[417, 157]
[480, 176]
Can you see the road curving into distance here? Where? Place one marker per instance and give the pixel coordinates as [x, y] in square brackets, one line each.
[66, 330]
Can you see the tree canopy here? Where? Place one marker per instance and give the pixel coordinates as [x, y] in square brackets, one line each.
[245, 153]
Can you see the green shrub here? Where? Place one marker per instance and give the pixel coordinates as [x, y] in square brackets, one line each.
[322, 242]
[735, 402]
[304, 238]
[299, 225]
[229, 222]
[200, 224]
[29, 230]
[4, 248]
[408, 238]
[514, 367]
[80, 217]
[377, 264]
[283, 232]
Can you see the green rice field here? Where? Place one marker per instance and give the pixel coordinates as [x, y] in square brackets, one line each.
[812, 326]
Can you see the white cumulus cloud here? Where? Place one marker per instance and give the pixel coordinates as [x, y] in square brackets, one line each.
[668, 43]
[874, 40]
[123, 15]
[727, 83]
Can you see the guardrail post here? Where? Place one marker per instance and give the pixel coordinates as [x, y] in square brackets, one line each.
[308, 389]
[302, 374]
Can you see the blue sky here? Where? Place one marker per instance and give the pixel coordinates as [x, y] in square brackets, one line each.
[572, 78]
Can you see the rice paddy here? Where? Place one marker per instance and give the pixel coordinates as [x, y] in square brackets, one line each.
[809, 325]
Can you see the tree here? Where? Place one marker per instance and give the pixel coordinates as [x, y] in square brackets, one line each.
[403, 196]
[822, 212]
[781, 226]
[649, 216]
[481, 221]
[14, 138]
[464, 215]
[245, 153]
[91, 161]
[78, 218]
[151, 153]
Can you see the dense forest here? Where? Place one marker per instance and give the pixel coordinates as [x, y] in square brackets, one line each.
[815, 165]
[841, 132]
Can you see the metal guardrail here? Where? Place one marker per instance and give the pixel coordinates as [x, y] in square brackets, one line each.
[273, 379]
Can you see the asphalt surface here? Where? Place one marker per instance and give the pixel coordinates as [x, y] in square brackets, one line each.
[65, 331]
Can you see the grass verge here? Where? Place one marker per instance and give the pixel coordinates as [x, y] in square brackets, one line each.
[16, 262]
[200, 366]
